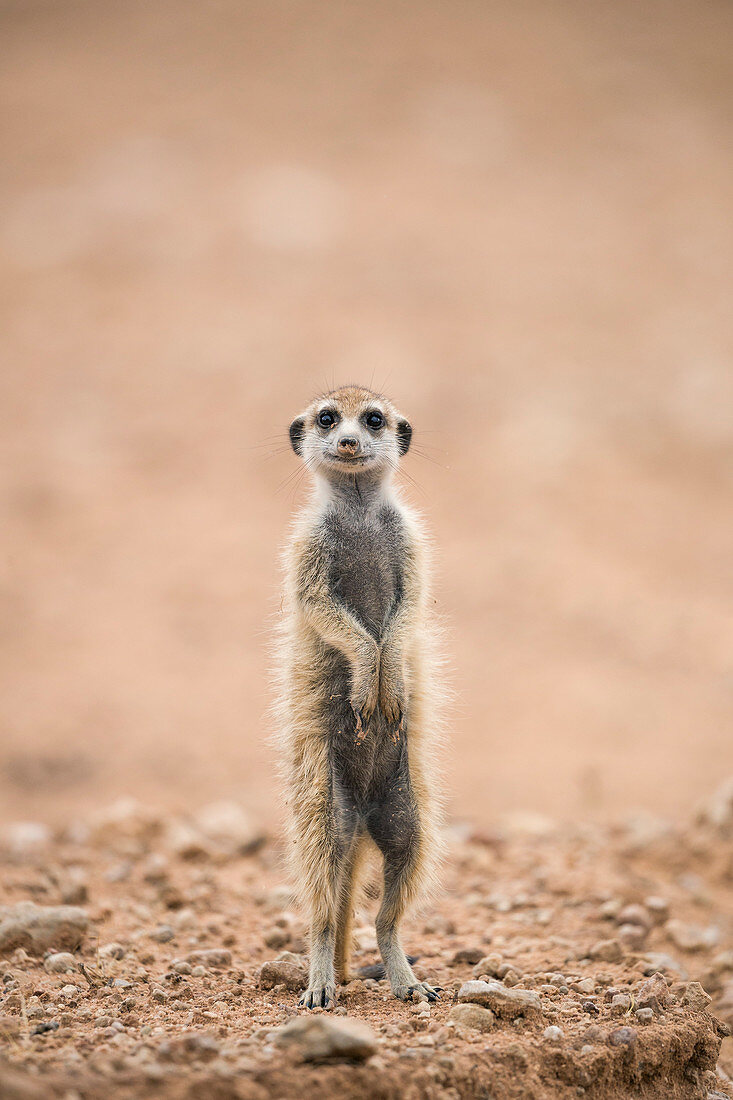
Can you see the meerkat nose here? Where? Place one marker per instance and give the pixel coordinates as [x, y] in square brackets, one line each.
[348, 445]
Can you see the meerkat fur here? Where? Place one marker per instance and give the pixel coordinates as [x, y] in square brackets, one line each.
[358, 687]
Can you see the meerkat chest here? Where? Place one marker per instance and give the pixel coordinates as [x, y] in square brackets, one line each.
[366, 557]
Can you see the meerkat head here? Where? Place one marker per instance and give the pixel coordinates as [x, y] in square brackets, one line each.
[351, 431]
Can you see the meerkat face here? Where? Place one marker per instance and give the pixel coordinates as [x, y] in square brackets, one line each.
[351, 431]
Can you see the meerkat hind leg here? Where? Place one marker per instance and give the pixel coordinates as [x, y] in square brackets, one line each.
[329, 929]
[394, 827]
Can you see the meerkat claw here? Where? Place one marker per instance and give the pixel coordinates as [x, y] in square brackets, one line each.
[319, 997]
[423, 991]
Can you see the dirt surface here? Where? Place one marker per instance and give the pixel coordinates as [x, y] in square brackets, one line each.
[514, 217]
[190, 965]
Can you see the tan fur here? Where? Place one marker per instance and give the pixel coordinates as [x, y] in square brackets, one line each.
[310, 621]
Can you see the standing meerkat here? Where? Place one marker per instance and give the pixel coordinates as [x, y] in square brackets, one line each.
[357, 685]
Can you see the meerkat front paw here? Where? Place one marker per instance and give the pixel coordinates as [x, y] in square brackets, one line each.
[391, 702]
[420, 991]
[364, 701]
[318, 996]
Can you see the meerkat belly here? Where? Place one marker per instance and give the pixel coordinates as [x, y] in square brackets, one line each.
[365, 575]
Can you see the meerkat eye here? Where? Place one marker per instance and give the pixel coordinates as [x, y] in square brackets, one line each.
[326, 418]
[374, 420]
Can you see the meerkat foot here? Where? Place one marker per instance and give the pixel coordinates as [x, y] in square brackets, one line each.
[318, 996]
[421, 990]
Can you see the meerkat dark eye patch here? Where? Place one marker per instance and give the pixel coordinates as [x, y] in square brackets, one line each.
[296, 432]
[404, 435]
[326, 418]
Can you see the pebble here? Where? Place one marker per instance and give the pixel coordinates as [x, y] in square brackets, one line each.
[189, 1045]
[112, 951]
[553, 1033]
[62, 962]
[45, 1026]
[279, 972]
[690, 937]
[644, 1015]
[585, 985]
[323, 1038]
[275, 937]
[658, 909]
[622, 1036]
[632, 936]
[620, 1004]
[492, 965]
[506, 1003]
[696, 997]
[40, 928]
[658, 960]
[654, 994]
[472, 1016]
[213, 958]
[162, 934]
[467, 955]
[607, 951]
[104, 1021]
[634, 914]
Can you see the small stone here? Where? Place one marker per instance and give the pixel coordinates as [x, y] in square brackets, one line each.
[354, 989]
[112, 951]
[658, 909]
[658, 960]
[620, 1004]
[104, 1021]
[25, 839]
[654, 994]
[467, 956]
[585, 985]
[159, 996]
[213, 958]
[622, 1036]
[62, 962]
[590, 1007]
[696, 997]
[10, 1027]
[632, 936]
[275, 937]
[322, 1038]
[690, 937]
[553, 1033]
[39, 928]
[45, 1026]
[634, 914]
[279, 972]
[189, 1046]
[489, 965]
[644, 1015]
[607, 951]
[73, 887]
[162, 934]
[472, 1016]
[506, 1003]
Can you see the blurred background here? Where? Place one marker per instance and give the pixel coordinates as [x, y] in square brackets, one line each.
[513, 217]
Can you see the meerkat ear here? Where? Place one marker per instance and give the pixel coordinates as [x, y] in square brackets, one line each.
[404, 435]
[297, 429]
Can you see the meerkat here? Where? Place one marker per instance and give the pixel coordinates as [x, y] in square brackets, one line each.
[358, 686]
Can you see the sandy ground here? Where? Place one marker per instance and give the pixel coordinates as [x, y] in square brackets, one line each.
[185, 956]
[513, 217]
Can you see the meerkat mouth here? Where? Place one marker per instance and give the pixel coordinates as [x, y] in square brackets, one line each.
[357, 460]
